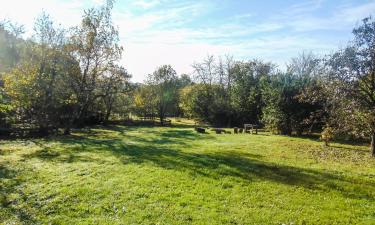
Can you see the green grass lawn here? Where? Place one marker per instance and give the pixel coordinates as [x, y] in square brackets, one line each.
[146, 175]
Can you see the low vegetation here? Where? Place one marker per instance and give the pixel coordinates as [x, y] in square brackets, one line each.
[158, 175]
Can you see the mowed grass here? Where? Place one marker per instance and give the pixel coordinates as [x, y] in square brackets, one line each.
[150, 175]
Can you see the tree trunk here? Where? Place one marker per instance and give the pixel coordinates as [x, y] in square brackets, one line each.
[43, 130]
[67, 130]
[373, 144]
[161, 120]
[109, 110]
[161, 115]
[107, 115]
[299, 131]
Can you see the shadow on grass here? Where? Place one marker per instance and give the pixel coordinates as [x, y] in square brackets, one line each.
[163, 150]
[9, 183]
[181, 125]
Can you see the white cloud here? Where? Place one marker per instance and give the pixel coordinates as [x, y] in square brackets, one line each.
[352, 14]
[344, 17]
[146, 4]
[156, 32]
[304, 7]
[25, 12]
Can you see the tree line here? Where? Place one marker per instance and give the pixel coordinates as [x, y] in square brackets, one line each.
[65, 78]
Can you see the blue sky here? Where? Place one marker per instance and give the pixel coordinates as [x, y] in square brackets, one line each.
[179, 32]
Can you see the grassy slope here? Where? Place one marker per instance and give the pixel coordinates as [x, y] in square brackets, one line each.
[130, 175]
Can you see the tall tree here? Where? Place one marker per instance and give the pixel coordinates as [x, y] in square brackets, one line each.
[286, 109]
[213, 103]
[95, 45]
[113, 84]
[352, 77]
[246, 90]
[164, 83]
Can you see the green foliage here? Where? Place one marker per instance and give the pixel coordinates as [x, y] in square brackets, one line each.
[206, 103]
[285, 110]
[115, 88]
[186, 100]
[246, 94]
[95, 46]
[144, 102]
[39, 86]
[65, 80]
[5, 109]
[351, 83]
[164, 86]
[229, 92]
[282, 109]
[71, 78]
[10, 52]
[327, 135]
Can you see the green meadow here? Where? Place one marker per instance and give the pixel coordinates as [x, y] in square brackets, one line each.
[173, 175]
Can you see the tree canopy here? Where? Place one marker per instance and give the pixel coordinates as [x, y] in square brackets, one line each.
[65, 78]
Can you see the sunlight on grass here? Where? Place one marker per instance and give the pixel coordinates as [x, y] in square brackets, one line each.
[145, 175]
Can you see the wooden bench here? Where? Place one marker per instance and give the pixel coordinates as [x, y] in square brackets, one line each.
[167, 122]
[200, 130]
[220, 130]
[251, 128]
